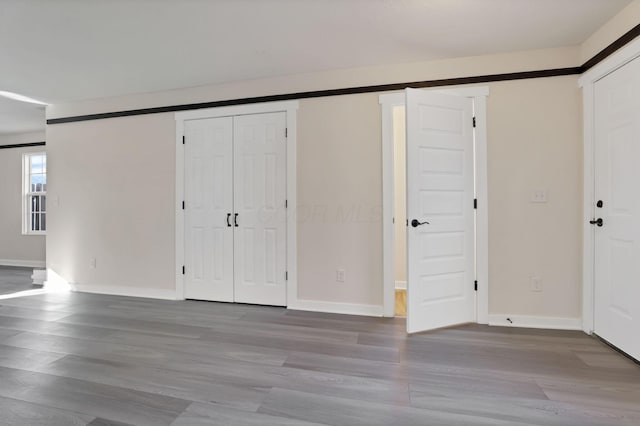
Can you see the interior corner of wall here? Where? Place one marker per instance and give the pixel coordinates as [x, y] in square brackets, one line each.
[56, 282]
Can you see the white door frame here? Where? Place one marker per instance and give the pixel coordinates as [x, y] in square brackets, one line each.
[387, 103]
[588, 80]
[290, 108]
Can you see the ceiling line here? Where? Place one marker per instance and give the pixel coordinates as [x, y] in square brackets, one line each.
[599, 57]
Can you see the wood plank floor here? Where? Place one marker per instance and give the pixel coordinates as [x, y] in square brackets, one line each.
[81, 359]
[14, 279]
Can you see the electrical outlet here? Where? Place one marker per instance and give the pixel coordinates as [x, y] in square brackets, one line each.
[536, 284]
[92, 262]
[341, 275]
[539, 196]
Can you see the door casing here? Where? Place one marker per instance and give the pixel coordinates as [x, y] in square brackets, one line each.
[387, 103]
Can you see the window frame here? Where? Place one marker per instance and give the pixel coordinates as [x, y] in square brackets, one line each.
[27, 193]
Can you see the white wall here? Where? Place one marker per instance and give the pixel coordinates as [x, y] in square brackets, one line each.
[415, 71]
[15, 248]
[114, 181]
[534, 143]
[111, 198]
[340, 199]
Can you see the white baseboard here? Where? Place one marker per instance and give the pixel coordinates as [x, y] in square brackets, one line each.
[57, 282]
[401, 285]
[535, 322]
[337, 308]
[23, 263]
[39, 276]
[151, 293]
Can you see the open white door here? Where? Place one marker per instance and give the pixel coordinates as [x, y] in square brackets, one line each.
[617, 210]
[440, 211]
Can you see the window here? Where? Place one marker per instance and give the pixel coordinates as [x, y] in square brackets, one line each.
[34, 183]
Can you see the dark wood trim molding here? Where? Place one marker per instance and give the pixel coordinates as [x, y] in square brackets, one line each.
[22, 145]
[612, 48]
[324, 93]
[606, 52]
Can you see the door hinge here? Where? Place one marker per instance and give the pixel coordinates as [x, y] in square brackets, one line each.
[474, 122]
[183, 205]
[183, 270]
[475, 285]
[286, 204]
[286, 275]
[183, 140]
[286, 132]
[475, 203]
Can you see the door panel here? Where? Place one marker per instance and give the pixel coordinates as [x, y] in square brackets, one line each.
[440, 190]
[208, 201]
[260, 194]
[617, 243]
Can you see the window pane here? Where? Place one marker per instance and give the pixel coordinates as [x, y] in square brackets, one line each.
[36, 174]
[37, 164]
[38, 182]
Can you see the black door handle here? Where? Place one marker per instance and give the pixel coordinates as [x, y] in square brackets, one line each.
[235, 220]
[228, 217]
[598, 222]
[415, 223]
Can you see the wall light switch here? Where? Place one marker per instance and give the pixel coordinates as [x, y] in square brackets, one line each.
[539, 196]
[536, 284]
[341, 275]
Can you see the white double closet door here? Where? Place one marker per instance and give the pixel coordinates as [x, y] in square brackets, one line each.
[235, 209]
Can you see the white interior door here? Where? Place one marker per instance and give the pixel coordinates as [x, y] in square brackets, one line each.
[208, 204]
[617, 241]
[259, 199]
[440, 191]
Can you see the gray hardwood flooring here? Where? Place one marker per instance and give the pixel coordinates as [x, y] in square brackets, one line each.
[14, 279]
[81, 359]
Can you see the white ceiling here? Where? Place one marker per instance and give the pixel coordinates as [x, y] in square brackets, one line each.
[68, 50]
[20, 117]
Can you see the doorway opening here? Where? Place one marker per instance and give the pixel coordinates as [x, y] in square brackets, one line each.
[400, 209]
[398, 131]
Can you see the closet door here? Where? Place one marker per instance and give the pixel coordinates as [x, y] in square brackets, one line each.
[208, 209]
[616, 217]
[259, 201]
